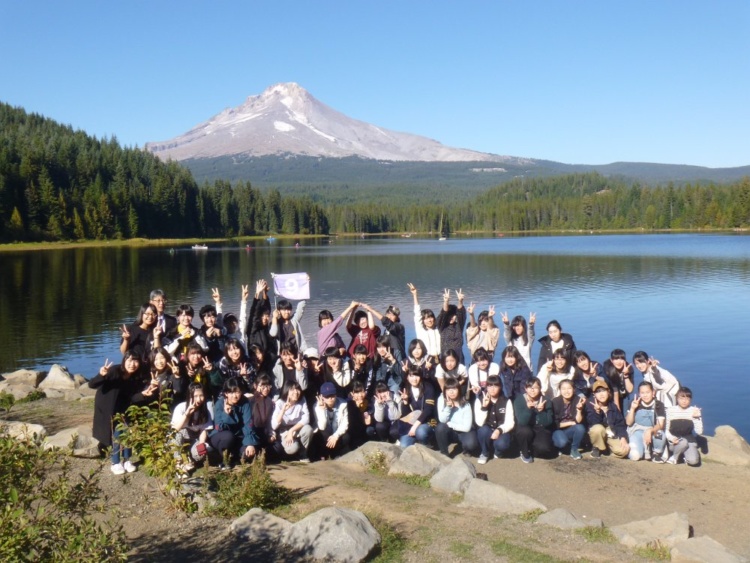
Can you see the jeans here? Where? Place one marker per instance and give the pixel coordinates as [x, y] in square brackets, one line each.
[117, 449]
[422, 435]
[490, 446]
[446, 436]
[638, 446]
[570, 435]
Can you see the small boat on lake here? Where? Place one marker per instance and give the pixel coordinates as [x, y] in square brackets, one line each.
[200, 247]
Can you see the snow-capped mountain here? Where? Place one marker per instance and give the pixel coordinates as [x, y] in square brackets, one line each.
[285, 119]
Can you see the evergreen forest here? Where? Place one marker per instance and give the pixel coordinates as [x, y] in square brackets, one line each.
[57, 183]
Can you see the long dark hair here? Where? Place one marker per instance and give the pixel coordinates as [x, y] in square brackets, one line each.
[519, 320]
[452, 383]
[560, 354]
[520, 362]
[200, 416]
[236, 344]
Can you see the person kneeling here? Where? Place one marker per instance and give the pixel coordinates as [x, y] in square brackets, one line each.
[607, 428]
[234, 434]
[495, 420]
[332, 417]
[645, 420]
[191, 422]
[455, 420]
[684, 424]
[534, 422]
[291, 422]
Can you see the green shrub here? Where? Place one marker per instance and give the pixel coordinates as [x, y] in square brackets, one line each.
[35, 395]
[376, 462]
[6, 401]
[148, 431]
[248, 486]
[46, 511]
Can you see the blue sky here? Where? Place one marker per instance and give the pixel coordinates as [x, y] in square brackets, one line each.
[576, 82]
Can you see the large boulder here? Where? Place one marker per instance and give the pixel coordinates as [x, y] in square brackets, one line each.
[418, 460]
[728, 447]
[454, 477]
[78, 441]
[258, 525]
[23, 431]
[667, 530]
[18, 390]
[58, 378]
[366, 454]
[703, 549]
[483, 494]
[334, 534]
[565, 520]
[25, 376]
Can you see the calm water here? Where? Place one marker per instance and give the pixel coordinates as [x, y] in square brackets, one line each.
[682, 298]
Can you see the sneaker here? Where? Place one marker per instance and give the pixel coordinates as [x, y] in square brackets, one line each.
[575, 454]
[672, 460]
[657, 459]
[482, 459]
[128, 466]
[188, 466]
[595, 453]
[527, 459]
[647, 455]
[305, 460]
[117, 469]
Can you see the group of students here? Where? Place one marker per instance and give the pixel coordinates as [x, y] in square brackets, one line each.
[241, 384]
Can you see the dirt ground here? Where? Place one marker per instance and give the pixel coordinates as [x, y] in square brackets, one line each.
[716, 499]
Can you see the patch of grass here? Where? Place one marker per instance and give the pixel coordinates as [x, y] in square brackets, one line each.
[248, 486]
[516, 553]
[7, 400]
[655, 551]
[461, 549]
[596, 534]
[531, 515]
[392, 542]
[376, 462]
[416, 480]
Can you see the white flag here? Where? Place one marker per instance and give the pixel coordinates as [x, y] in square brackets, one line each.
[292, 286]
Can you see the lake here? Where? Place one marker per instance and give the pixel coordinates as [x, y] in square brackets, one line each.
[682, 298]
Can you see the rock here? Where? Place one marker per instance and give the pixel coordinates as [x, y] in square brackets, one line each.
[418, 460]
[566, 520]
[360, 455]
[86, 391]
[23, 431]
[72, 394]
[482, 494]
[258, 525]
[18, 390]
[84, 445]
[58, 378]
[454, 477]
[728, 447]
[25, 376]
[667, 530]
[334, 534]
[80, 380]
[54, 394]
[703, 549]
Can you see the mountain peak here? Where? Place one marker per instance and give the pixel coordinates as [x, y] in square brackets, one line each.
[286, 119]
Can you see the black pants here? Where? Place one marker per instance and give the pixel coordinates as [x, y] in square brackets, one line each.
[535, 440]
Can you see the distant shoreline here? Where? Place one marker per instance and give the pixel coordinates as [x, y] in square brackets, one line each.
[182, 243]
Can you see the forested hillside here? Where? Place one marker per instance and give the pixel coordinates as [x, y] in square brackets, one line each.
[57, 183]
[61, 184]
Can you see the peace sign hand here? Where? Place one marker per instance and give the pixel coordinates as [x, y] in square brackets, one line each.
[412, 288]
[532, 318]
[216, 295]
[446, 294]
[125, 332]
[491, 311]
[207, 364]
[105, 368]
[245, 293]
[505, 317]
[460, 295]
[470, 308]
